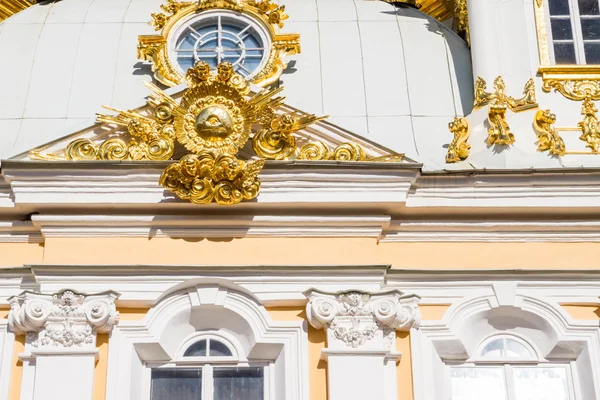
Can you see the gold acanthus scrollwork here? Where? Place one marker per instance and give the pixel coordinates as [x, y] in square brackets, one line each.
[548, 137]
[461, 20]
[499, 132]
[590, 130]
[483, 97]
[574, 89]
[205, 177]
[459, 148]
[153, 139]
[153, 48]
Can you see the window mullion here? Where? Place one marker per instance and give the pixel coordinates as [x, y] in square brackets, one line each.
[208, 389]
[510, 383]
[577, 32]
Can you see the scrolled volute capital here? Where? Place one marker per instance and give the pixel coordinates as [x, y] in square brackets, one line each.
[362, 319]
[64, 319]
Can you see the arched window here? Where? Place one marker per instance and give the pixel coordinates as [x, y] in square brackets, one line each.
[209, 369]
[506, 367]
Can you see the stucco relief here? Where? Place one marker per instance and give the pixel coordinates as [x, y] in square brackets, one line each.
[67, 319]
[360, 319]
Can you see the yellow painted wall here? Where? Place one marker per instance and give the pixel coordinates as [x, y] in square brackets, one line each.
[307, 251]
[18, 254]
[16, 373]
[582, 311]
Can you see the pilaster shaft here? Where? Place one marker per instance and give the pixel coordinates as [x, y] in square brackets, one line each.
[361, 339]
[60, 349]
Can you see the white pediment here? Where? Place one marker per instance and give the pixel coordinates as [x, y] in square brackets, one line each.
[321, 131]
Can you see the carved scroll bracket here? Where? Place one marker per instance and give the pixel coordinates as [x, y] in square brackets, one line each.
[362, 320]
[64, 321]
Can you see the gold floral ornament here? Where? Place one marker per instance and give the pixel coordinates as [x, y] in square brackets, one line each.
[548, 137]
[459, 148]
[268, 15]
[205, 178]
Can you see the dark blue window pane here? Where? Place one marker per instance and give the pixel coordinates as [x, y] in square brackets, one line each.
[592, 53]
[588, 7]
[564, 53]
[218, 349]
[198, 349]
[561, 29]
[590, 28]
[559, 7]
[176, 384]
[239, 383]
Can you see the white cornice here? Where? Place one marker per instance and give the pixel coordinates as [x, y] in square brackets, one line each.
[19, 232]
[492, 231]
[285, 183]
[214, 226]
[272, 285]
[538, 189]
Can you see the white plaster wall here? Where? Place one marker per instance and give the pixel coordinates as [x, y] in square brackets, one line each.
[390, 74]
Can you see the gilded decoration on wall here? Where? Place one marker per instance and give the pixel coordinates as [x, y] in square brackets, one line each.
[572, 89]
[590, 131]
[499, 102]
[269, 16]
[8, 8]
[213, 121]
[548, 137]
[459, 148]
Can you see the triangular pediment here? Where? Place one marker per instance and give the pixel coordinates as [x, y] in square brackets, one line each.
[321, 131]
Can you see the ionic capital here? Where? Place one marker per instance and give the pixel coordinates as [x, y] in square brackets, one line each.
[359, 319]
[64, 320]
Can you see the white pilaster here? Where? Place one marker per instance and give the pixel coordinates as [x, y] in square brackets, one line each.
[361, 339]
[60, 349]
[499, 45]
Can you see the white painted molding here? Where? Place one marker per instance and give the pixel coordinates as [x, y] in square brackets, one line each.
[355, 319]
[7, 342]
[216, 226]
[506, 309]
[197, 307]
[19, 232]
[64, 322]
[541, 189]
[361, 339]
[143, 286]
[492, 231]
[294, 183]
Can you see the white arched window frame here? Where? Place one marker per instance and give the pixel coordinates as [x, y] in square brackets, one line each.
[229, 360]
[551, 333]
[509, 367]
[215, 309]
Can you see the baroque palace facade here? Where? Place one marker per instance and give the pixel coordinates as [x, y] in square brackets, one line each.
[299, 200]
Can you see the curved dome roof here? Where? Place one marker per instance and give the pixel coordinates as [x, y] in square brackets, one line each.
[390, 74]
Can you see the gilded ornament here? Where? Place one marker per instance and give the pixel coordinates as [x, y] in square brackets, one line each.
[205, 178]
[8, 8]
[214, 119]
[459, 148]
[277, 141]
[153, 48]
[461, 20]
[548, 137]
[589, 126]
[577, 90]
[483, 97]
[499, 131]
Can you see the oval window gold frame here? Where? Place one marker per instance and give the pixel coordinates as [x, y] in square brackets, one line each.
[154, 48]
